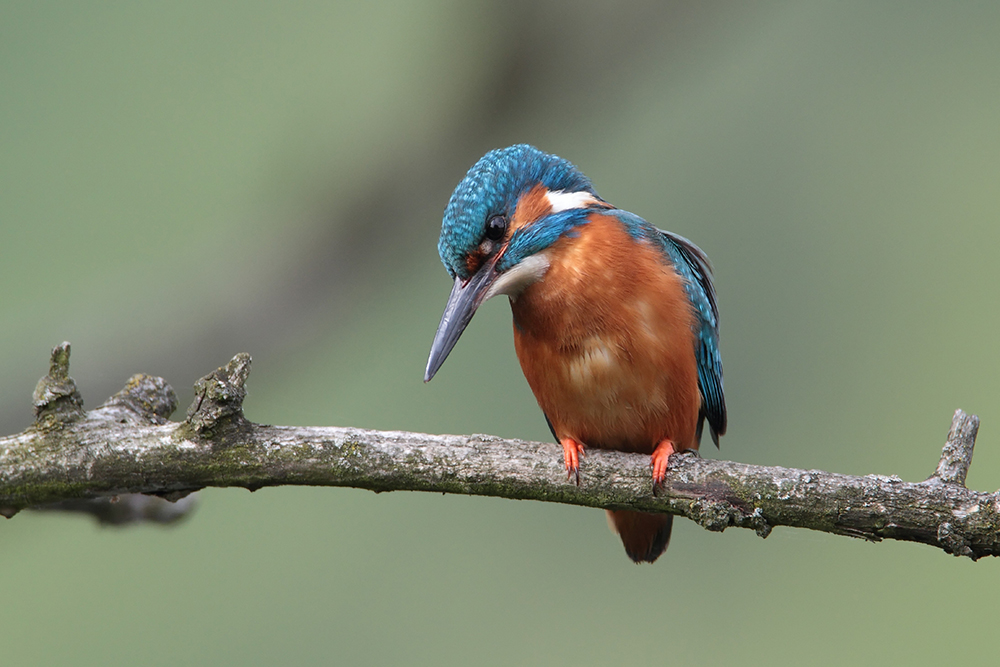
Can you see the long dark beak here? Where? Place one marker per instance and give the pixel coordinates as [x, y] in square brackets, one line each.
[465, 298]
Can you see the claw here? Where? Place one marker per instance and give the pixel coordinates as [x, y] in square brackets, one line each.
[572, 451]
[661, 460]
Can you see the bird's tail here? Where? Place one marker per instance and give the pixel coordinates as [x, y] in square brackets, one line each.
[644, 535]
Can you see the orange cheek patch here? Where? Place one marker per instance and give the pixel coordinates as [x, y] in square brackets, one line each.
[532, 205]
[474, 261]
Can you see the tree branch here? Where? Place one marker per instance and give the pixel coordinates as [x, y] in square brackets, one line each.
[70, 458]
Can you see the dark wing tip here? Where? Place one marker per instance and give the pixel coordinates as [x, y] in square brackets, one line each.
[716, 426]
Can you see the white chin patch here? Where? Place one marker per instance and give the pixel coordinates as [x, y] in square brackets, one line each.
[565, 201]
[513, 281]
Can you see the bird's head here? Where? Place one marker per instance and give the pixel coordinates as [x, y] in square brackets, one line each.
[511, 206]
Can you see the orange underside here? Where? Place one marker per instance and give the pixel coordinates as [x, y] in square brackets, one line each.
[606, 343]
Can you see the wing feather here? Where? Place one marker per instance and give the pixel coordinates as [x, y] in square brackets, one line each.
[692, 263]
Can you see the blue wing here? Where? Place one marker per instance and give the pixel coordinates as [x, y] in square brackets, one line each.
[694, 267]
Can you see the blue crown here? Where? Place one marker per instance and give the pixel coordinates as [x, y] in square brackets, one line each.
[493, 187]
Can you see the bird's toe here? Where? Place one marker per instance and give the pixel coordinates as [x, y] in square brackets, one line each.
[660, 460]
[572, 451]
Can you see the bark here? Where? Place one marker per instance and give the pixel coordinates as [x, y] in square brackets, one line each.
[77, 460]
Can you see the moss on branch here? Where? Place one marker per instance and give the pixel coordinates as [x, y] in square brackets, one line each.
[71, 459]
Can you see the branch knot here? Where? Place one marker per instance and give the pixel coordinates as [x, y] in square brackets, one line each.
[714, 515]
[218, 401]
[953, 542]
[56, 398]
[957, 454]
[144, 397]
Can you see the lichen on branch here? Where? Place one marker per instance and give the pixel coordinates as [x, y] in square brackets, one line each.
[71, 459]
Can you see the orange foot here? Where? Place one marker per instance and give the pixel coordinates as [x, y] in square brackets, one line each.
[572, 451]
[661, 457]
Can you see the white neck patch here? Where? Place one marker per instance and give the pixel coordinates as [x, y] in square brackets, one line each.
[561, 200]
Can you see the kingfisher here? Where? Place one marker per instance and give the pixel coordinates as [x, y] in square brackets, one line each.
[616, 324]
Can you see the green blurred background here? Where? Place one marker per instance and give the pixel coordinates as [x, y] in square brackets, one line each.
[183, 181]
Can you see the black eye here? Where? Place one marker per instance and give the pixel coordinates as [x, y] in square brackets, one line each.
[496, 227]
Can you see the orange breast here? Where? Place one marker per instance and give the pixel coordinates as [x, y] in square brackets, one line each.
[606, 342]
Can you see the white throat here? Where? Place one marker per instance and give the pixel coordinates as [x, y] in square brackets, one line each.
[514, 281]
